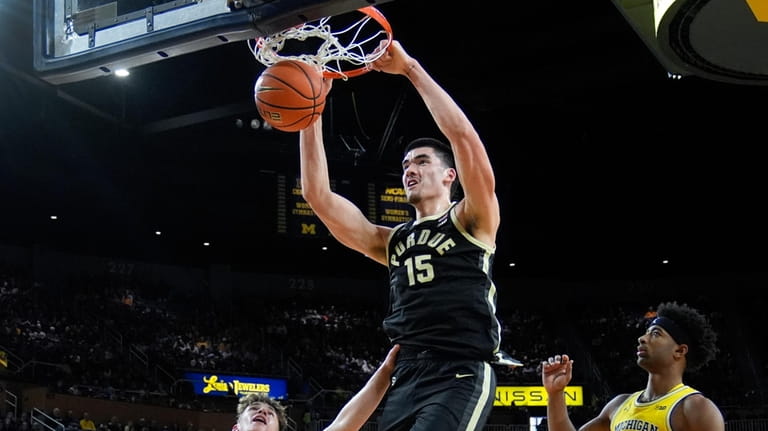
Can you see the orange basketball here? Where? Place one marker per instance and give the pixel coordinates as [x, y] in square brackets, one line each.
[289, 95]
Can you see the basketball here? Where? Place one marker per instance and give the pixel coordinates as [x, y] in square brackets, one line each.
[289, 95]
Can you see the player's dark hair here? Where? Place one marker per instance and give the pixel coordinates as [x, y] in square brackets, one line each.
[702, 347]
[444, 152]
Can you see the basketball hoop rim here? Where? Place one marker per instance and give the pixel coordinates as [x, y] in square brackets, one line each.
[384, 23]
[381, 20]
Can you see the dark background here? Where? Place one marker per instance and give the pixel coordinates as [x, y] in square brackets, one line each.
[604, 165]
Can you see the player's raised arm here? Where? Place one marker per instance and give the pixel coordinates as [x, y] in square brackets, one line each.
[344, 219]
[480, 211]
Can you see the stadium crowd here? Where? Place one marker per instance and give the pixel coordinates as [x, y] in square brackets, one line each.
[107, 338]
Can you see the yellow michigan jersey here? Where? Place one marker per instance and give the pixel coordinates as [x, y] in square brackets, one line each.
[634, 415]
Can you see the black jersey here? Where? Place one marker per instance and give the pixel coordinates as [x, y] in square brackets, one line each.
[442, 296]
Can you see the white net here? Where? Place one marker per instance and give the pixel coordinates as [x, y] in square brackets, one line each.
[347, 51]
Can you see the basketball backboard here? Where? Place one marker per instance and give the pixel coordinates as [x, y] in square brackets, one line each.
[75, 40]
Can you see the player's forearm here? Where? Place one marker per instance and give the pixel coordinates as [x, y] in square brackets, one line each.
[468, 149]
[315, 181]
[359, 408]
[557, 413]
[447, 114]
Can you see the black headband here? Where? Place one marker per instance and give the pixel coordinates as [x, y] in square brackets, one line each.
[669, 325]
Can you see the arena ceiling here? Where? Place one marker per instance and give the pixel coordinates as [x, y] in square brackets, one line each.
[605, 165]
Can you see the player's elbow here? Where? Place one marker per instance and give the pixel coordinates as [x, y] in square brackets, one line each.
[314, 195]
[321, 203]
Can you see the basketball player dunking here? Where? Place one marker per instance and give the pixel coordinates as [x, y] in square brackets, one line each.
[442, 297]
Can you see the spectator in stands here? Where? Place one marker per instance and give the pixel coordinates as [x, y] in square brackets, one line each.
[260, 409]
[679, 339]
[9, 422]
[306, 419]
[69, 421]
[57, 415]
[86, 423]
[114, 424]
[23, 424]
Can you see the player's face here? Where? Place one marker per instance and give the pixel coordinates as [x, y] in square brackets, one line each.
[258, 417]
[424, 175]
[656, 348]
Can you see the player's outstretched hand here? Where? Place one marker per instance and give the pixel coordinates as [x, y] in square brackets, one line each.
[556, 373]
[389, 362]
[395, 61]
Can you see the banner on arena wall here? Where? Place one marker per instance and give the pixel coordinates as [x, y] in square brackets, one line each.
[229, 384]
[534, 396]
[388, 205]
